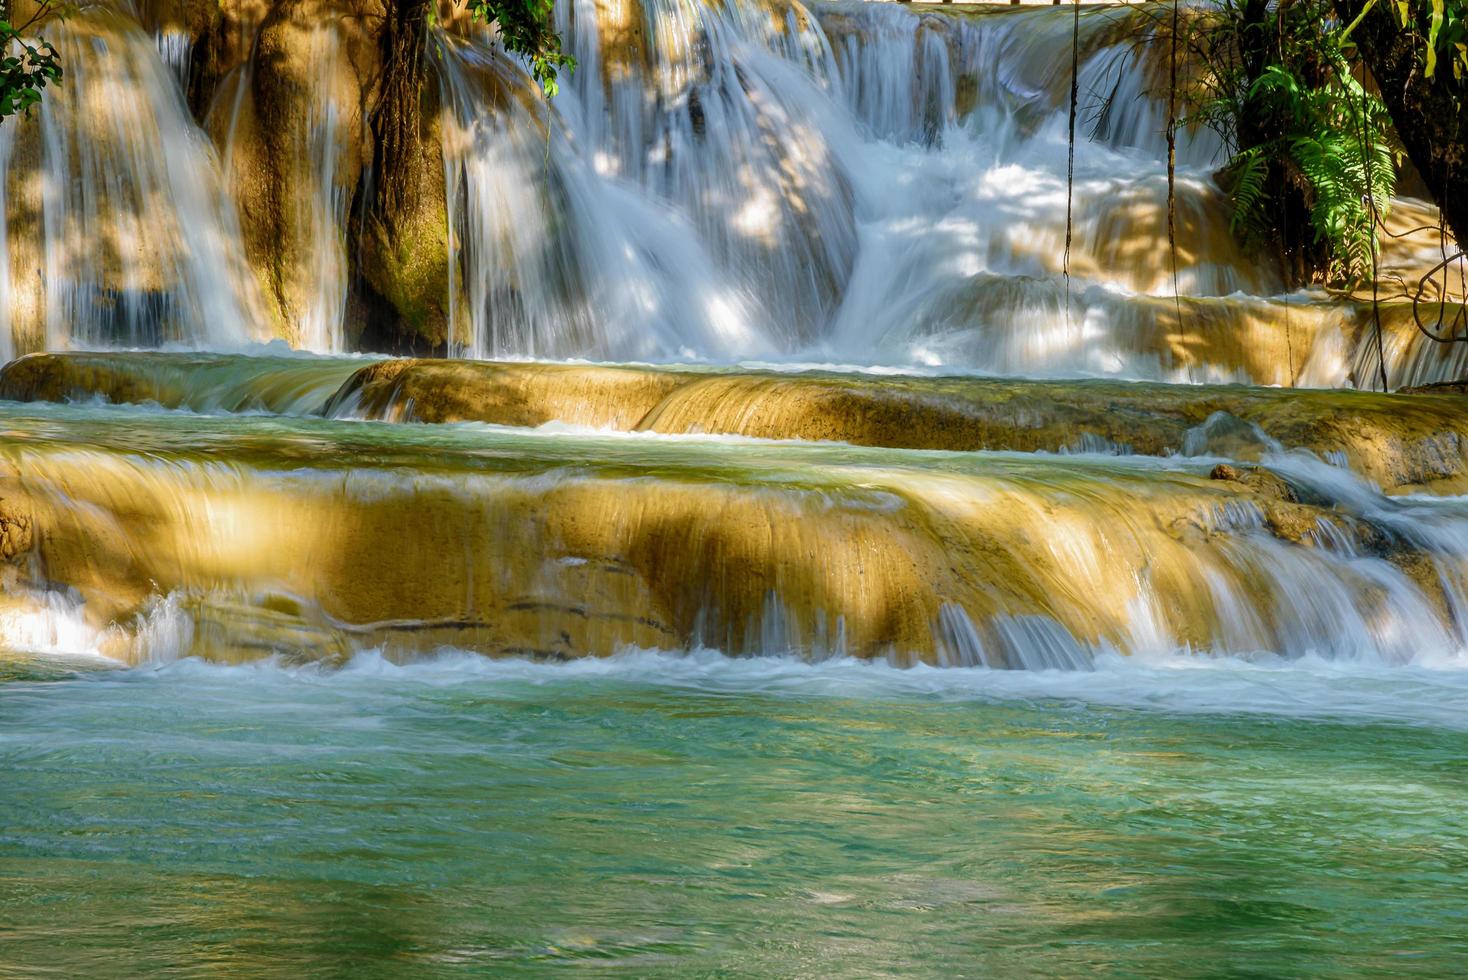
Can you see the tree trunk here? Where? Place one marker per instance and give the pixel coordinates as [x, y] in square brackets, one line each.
[396, 121]
[1428, 113]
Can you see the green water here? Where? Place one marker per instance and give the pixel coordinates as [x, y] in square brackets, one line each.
[284, 443]
[701, 815]
[705, 816]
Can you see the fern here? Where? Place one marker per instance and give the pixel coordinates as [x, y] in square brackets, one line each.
[1337, 140]
[1250, 218]
[1315, 132]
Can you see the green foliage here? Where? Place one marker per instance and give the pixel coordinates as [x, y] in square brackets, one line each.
[1281, 91]
[1337, 138]
[525, 29]
[27, 66]
[1251, 205]
[1440, 30]
[1352, 179]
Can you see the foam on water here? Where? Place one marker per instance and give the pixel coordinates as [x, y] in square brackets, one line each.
[1431, 691]
[1432, 695]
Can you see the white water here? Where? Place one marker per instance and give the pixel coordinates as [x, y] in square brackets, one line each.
[818, 182]
[1252, 595]
[322, 214]
[858, 183]
[1433, 696]
[123, 234]
[176, 48]
[1399, 668]
[554, 258]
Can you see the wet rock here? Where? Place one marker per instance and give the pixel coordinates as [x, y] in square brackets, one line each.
[421, 541]
[1256, 478]
[507, 394]
[1403, 443]
[16, 536]
[1225, 434]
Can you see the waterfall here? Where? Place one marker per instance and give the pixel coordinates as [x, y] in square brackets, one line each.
[321, 213]
[857, 183]
[839, 533]
[571, 545]
[956, 521]
[557, 257]
[118, 228]
[176, 48]
[841, 182]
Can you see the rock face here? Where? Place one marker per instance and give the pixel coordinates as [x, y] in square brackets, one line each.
[316, 535]
[1402, 443]
[292, 114]
[15, 532]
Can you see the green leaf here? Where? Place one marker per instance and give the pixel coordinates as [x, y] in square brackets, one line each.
[1432, 31]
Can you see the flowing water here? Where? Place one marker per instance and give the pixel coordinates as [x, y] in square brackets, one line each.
[852, 183]
[831, 577]
[674, 816]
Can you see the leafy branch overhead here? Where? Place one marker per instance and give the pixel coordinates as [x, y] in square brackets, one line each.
[28, 64]
[1439, 28]
[525, 29]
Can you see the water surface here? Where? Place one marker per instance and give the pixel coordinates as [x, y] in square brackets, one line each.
[685, 815]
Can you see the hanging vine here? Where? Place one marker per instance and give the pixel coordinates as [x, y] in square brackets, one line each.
[1367, 154]
[1172, 164]
[1070, 161]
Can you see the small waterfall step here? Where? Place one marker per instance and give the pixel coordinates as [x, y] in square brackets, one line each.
[154, 534]
[1403, 443]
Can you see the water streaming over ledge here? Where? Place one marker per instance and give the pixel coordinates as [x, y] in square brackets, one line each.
[118, 230]
[862, 183]
[808, 645]
[844, 182]
[858, 183]
[237, 536]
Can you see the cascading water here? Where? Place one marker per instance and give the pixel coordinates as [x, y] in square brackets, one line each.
[866, 185]
[317, 664]
[322, 212]
[691, 182]
[118, 232]
[846, 182]
[558, 258]
[858, 183]
[176, 48]
[566, 546]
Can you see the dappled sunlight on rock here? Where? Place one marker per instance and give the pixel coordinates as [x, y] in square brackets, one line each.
[845, 182]
[117, 227]
[557, 546]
